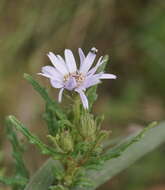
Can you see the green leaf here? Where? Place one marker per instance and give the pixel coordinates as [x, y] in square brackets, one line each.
[44, 177]
[17, 181]
[45, 149]
[51, 120]
[20, 175]
[117, 150]
[41, 90]
[18, 151]
[53, 110]
[151, 140]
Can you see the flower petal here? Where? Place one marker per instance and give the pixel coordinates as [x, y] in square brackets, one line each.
[94, 69]
[108, 76]
[92, 82]
[88, 61]
[70, 61]
[56, 84]
[60, 94]
[51, 72]
[61, 60]
[59, 65]
[81, 55]
[83, 98]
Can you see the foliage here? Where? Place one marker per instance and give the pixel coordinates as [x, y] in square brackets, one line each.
[131, 31]
[76, 147]
[21, 174]
[152, 137]
[76, 138]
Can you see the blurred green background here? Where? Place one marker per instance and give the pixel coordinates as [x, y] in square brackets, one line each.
[132, 32]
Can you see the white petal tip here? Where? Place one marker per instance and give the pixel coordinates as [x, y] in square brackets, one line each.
[114, 77]
[50, 53]
[79, 49]
[60, 95]
[94, 50]
[108, 76]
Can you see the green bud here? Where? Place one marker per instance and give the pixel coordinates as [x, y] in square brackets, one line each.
[68, 180]
[63, 141]
[99, 120]
[102, 136]
[54, 140]
[88, 127]
[66, 141]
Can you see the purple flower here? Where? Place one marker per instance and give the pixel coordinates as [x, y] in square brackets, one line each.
[64, 74]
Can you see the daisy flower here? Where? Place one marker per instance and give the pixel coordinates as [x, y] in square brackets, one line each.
[64, 73]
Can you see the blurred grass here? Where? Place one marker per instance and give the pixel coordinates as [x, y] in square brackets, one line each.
[131, 32]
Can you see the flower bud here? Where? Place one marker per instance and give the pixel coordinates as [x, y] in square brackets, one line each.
[102, 136]
[88, 127]
[65, 141]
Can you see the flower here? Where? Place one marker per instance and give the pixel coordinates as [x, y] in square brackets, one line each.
[64, 74]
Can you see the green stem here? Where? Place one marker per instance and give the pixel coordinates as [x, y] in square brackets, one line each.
[76, 111]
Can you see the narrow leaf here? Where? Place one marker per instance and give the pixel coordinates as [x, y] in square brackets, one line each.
[19, 181]
[41, 90]
[53, 110]
[44, 177]
[117, 150]
[152, 138]
[45, 149]
[18, 151]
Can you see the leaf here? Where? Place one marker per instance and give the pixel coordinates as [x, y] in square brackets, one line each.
[51, 120]
[151, 140]
[21, 181]
[53, 110]
[41, 90]
[18, 151]
[44, 177]
[117, 150]
[45, 149]
[21, 174]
